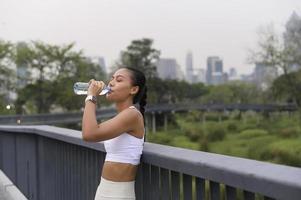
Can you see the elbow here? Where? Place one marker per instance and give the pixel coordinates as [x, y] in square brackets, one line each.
[87, 135]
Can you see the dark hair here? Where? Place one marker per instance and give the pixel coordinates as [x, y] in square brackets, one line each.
[139, 79]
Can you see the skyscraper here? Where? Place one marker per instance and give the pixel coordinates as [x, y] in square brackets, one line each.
[168, 68]
[189, 67]
[214, 73]
[263, 76]
[99, 61]
[292, 38]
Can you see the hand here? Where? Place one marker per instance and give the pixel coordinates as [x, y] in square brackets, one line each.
[95, 87]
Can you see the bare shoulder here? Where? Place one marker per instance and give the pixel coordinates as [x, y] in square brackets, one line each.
[138, 125]
[130, 114]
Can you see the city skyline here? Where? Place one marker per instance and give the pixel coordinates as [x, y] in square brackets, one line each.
[104, 28]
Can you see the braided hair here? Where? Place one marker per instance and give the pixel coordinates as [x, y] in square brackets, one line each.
[139, 79]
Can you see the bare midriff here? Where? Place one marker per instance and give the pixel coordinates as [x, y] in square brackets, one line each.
[119, 172]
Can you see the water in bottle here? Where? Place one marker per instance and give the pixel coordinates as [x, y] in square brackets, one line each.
[81, 88]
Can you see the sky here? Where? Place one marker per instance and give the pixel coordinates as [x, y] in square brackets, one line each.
[228, 29]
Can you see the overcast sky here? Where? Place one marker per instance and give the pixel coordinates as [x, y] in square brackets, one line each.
[105, 27]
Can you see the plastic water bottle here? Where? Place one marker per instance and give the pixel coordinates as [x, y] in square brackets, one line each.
[81, 88]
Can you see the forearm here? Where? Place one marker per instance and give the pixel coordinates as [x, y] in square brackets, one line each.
[89, 122]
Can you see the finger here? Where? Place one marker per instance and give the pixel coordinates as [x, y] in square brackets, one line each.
[102, 84]
[91, 81]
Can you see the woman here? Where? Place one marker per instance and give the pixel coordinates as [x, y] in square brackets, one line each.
[123, 135]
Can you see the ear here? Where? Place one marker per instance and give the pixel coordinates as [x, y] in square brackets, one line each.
[134, 90]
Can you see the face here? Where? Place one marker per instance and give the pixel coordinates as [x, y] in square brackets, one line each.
[121, 86]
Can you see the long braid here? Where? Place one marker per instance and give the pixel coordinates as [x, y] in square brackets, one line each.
[143, 102]
[139, 80]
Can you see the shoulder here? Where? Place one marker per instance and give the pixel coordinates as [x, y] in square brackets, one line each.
[132, 113]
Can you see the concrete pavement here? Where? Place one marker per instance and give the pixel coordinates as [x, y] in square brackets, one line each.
[8, 191]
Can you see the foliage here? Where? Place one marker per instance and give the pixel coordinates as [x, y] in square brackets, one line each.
[7, 75]
[140, 55]
[233, 92]
[282, 53]
[274, 139]
[57, 68]
[286, 151]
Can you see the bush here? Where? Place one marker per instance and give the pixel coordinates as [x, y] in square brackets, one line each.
[192, 130]
[159, 137]
[215, 132]
[204, 145]
[287, 152]
[252, 133]
[290, 132]
[258, 147]
[182, 141]
[232, 126]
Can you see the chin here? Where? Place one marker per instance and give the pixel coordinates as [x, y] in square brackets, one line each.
[110, 98]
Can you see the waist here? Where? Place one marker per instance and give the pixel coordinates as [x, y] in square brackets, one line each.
[118, 172]
[115, 190]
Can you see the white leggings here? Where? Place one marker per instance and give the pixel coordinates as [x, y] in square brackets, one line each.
[111, 190]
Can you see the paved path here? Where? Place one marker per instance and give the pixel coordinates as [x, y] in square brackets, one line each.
[8, 191]
[3, 193]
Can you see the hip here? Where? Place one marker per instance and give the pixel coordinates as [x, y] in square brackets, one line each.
[111, 190]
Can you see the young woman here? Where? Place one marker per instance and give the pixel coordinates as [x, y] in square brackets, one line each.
[123, 135]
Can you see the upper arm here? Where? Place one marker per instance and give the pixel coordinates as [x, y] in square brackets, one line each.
[124, 121]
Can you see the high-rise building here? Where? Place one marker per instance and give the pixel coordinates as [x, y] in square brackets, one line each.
[233, 76]
[232, 72]
[168, 68]
[23, 76]
[199, 76]
[189, 67]
[263, 76]
[292, 38]
[214, 73]
[99, 61]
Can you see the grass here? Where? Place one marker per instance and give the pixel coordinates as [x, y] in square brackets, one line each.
[275, 139]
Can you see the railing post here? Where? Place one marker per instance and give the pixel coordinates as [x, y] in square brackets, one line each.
[165, 121]
[153, 122]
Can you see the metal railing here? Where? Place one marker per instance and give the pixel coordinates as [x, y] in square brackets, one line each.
[105, 113]
[48, 162]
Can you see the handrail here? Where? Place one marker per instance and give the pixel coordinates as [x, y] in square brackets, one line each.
[267, 179]
[105, 113]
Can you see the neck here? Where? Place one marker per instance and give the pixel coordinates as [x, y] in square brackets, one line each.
[120, 106]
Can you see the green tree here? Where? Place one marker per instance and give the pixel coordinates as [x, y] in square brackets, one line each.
[141, 55]
[56, 68]
[282, 53]
[7, 75]
[233, 92]
[280, 87]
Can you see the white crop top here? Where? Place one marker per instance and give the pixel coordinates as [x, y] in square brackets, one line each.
[125, 148]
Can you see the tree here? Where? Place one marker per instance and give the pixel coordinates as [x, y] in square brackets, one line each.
[7, 75]
[57, 68]
[142, 56]
[282, 53]
[233, 92]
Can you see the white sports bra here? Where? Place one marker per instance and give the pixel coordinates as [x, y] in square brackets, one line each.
[125, 148]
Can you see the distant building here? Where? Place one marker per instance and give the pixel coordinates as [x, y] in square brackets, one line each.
[214, 73]
[99, 61]
[23, 76]
[263, 76]
[233, 76]
[292, 38]
[232, 72]
[247, 78]
[189, 67]
[199, 76]
[168, 68]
